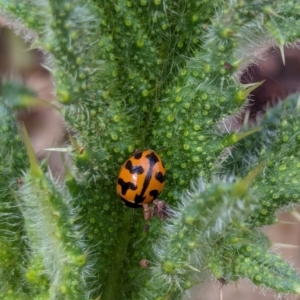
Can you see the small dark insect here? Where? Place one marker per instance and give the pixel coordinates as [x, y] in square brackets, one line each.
[144, 263]
[227, 66]
[20, 182]
[146, 227]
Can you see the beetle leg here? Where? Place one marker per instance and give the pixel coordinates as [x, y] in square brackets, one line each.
[147, 214]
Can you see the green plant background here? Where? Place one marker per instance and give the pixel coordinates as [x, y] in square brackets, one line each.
[137, 75]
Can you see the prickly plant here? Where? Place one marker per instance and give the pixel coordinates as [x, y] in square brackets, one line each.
[158, 74]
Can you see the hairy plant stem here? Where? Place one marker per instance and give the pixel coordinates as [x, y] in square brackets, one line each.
[112, 284]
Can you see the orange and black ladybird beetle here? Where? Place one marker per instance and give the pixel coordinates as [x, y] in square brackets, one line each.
[141, 178]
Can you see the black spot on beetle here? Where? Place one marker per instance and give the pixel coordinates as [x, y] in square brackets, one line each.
[154, 194]
[133, 169]
[160, 177]
[153, 159]
[139, 198]
[138, 154]
[125, 186]
[130, 204]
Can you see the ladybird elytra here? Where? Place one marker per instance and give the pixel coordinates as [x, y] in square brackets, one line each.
[141, 178]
